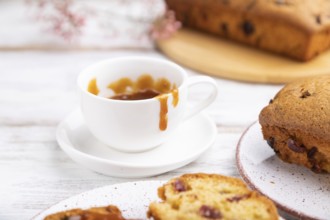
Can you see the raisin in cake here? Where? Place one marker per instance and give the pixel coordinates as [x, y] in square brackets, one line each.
[296, 28]
[210, 196]
[105, 213]
[296, 123]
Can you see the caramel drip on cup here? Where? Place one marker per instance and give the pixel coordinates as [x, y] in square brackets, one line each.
[164, 108]
[163, 112]
[123, 85]
[92, 87]
[175, 94]
[144, 87]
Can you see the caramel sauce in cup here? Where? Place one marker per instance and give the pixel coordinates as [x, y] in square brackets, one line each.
[144, 87]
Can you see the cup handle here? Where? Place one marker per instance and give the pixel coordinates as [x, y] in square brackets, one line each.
[192, 81]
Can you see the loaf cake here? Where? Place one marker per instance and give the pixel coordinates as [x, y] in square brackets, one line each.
[210, 196]
[299, 29]
[296, 123]
[98, 213]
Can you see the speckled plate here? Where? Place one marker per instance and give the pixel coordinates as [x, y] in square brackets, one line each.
[133, 198]
[295, 189]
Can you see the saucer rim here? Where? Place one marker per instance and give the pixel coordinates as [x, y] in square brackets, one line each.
[68, 147]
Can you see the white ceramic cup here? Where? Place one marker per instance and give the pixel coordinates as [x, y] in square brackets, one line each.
[133, 126]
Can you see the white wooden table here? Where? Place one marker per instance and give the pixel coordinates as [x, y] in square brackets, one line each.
[37, 91]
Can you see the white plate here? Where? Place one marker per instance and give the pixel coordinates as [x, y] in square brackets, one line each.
[188, 142]
[295, 189]
[132, 198]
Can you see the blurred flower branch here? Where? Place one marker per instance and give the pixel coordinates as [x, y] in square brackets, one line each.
[69, 18]
[165, 26]
[60, 17]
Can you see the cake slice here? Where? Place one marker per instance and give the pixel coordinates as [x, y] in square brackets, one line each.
[210, 196]
[110, 212]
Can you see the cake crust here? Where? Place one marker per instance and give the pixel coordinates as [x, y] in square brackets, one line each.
[110, 212]
[296, 123]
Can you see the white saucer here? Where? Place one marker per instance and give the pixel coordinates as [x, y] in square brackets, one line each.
[295, 189]
[188, 142]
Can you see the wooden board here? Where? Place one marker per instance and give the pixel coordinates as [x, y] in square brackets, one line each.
[223, 58]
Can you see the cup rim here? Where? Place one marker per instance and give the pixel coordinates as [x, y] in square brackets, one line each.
[85, 71]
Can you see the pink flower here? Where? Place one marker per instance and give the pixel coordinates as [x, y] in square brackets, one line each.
[165, 26]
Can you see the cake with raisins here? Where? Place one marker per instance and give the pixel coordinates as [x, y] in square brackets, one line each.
[210, 196]
[299, 29]
[105, 213]
[296, 123]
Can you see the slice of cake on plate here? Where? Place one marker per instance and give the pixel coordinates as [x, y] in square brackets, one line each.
[210, 196]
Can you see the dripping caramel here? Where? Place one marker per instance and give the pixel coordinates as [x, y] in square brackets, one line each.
[144, 87]
[92, 87]
[163, 112]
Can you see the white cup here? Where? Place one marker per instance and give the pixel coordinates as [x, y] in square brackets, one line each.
[134, 126]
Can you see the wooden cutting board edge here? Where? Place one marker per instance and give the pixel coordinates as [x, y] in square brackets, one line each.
[177, 47]
[217, 72]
